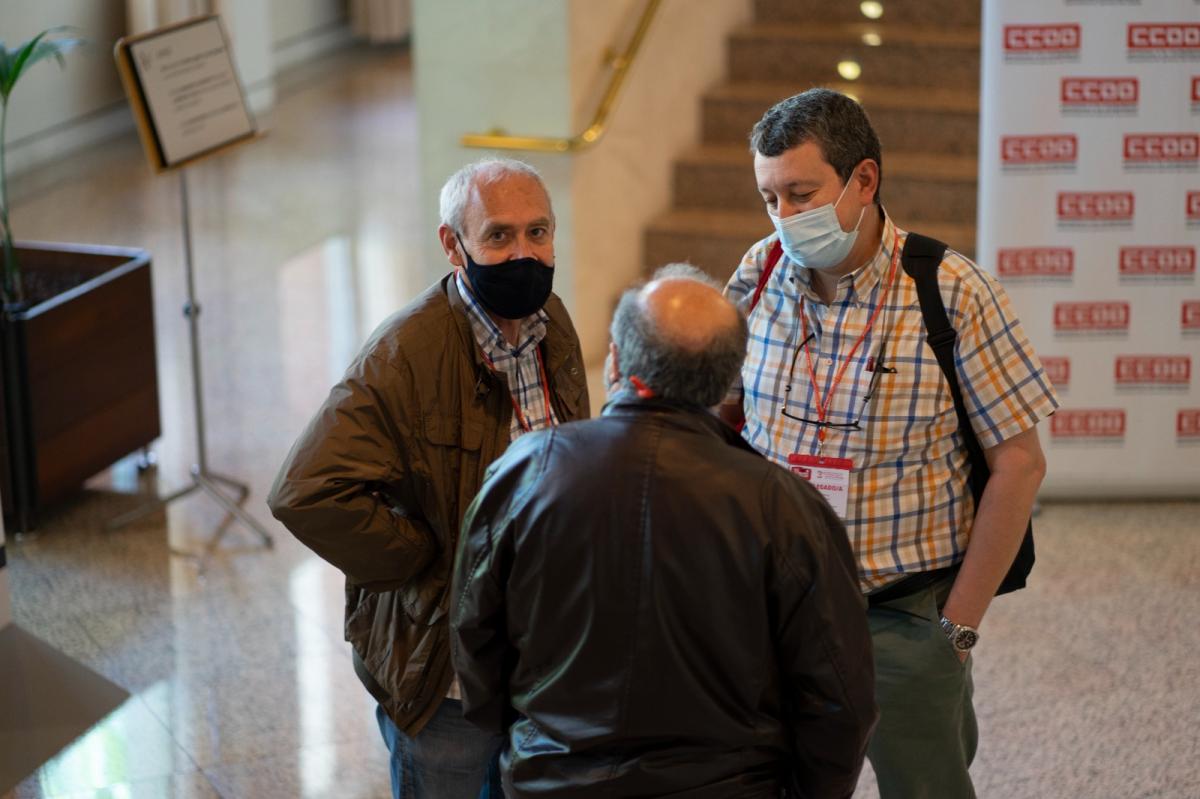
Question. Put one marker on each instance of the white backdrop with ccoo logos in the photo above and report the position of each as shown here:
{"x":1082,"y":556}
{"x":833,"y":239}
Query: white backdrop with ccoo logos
{"x":1089,"y":213}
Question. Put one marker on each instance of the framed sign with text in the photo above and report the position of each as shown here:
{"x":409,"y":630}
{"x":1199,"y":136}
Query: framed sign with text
{"x":185,"y":92}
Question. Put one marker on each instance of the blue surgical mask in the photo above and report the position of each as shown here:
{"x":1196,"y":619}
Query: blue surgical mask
{"x":814,"y":239}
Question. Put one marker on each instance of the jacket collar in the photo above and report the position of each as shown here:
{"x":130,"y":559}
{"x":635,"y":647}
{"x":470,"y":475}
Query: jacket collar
{"x":692,"y":417}
{"x":462,"y":322}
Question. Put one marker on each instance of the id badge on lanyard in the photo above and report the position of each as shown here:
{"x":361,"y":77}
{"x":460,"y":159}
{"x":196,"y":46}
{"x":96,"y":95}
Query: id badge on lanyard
{"x":830,"y":476}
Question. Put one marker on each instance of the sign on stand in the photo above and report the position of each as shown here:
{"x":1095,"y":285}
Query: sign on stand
{"x":185,"y":92}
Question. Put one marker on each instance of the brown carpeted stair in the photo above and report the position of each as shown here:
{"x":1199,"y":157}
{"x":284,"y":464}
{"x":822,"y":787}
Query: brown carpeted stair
{"x":919,"y":84}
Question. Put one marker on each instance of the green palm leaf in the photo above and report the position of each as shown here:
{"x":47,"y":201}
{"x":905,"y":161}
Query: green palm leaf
{"x":46,"y":44}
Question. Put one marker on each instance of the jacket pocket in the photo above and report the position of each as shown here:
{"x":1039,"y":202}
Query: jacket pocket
{"x":452,"y":431}
{"x":422,"y":599}
{"x":360,"y":615}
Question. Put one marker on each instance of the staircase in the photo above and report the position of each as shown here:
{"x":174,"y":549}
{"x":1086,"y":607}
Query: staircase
{"x":919,"y":84}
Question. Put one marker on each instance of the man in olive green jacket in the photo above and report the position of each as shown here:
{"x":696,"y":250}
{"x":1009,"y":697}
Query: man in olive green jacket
{"x":378,"y":482}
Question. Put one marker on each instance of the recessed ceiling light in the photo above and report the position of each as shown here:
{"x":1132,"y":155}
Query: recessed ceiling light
{"x":872,"y":39}
{"x":871,"y":9}
{"x":849,"y":70}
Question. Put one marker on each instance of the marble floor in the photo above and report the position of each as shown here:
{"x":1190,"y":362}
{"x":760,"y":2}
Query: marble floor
{"x":1088,"y":684}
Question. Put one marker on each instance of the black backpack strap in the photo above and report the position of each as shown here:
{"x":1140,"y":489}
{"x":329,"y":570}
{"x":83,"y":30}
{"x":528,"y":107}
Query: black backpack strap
{"x":921,"y":258}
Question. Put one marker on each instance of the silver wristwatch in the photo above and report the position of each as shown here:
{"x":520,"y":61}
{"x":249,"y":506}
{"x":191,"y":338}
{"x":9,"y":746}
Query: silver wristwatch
{"x":962,"y":637}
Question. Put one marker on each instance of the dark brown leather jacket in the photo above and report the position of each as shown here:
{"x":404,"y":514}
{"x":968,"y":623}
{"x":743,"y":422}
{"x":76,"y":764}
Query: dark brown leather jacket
{"x":378,"y":482}
{"x":650,"y":608}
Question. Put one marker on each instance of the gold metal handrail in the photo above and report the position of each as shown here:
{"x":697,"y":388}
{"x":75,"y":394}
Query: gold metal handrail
{"x":498,"y":139}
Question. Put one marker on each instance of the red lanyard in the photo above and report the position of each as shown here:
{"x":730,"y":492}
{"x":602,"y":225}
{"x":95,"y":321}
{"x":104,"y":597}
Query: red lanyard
{"x":521,"y":420}
{"x":823,"y":404}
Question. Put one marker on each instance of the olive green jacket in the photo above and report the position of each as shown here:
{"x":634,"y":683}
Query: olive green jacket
{"x":378,"y":483}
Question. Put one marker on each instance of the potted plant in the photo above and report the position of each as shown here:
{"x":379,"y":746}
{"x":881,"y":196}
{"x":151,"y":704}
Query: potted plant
{"x":77,"y":357}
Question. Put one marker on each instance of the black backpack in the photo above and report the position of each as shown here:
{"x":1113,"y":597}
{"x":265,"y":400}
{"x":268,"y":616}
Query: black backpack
{"x":921,"y":258}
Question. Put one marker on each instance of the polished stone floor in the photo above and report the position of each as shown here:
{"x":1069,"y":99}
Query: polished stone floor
{"x":1088,"y":683}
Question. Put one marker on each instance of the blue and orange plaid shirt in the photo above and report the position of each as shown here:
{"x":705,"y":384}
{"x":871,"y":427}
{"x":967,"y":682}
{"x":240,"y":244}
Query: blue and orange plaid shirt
{"x":910,"y":508}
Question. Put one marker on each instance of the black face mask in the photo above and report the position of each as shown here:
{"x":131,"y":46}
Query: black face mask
{"x":510,"y":289}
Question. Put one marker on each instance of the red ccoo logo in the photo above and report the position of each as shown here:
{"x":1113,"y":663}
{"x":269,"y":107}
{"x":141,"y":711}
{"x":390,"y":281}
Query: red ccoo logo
{"x":1036,"y":262}
{"x":1058,"y":371}
{"x":1099,"y":91}
{"x":1041,"y":38}
{"x":1187,"y":423}
{"x":1196,"y":88}
{"x":1091,"y":316}
{"x":1169,"y":261}
{"x":1157,"y":370}
{"x":1106,"y":423}
{"x":1140,"y":147}
{"x":1163,"y":35}
{"x":1049,"y":149}
{"x":1193,"y":206}
{"x":1190,"y":318}
{"x":1089,"y":206}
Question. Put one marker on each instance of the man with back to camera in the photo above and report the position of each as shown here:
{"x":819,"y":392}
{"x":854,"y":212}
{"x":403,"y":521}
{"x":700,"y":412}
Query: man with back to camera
{"x":647,"y":607}
{"x":839,"y":381}
{"x":378,"y":482}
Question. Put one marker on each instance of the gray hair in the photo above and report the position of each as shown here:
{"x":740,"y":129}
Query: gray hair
{"x":696,"y":377}
{"x":838,"y":125}
{"x":457,"y":189}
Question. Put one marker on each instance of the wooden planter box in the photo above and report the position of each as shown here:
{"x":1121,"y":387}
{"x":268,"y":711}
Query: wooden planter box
{"x":80,"y":380}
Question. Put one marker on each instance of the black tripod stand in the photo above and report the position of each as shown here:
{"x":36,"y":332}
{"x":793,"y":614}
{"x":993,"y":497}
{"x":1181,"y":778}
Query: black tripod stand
{"x":204,"y":479}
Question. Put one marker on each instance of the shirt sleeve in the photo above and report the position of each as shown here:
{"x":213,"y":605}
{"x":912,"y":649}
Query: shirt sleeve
{"x":1004,"y":386}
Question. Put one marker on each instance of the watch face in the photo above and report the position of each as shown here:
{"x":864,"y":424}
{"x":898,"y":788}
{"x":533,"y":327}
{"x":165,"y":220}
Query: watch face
{"x":965,"y":640}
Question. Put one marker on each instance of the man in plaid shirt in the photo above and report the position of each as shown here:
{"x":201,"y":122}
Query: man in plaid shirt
{"x":840,"y":385}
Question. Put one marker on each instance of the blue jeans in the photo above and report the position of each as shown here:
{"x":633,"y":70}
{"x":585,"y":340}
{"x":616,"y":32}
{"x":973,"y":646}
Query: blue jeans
{"x":450,"y":758}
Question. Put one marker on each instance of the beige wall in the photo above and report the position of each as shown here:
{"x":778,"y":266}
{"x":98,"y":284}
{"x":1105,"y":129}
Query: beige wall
{"x":297,"y":19}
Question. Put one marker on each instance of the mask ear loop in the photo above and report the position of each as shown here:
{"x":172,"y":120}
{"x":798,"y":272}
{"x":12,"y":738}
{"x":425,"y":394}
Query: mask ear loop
{"x":466,"y":255}
{"x":838,"y":201}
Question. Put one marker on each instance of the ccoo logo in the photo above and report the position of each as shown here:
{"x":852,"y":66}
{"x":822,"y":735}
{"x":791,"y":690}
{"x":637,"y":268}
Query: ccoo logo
{"x":1187,"y":423}
{"x":1080,"y":91}
{"x":1099,"y":423}
{"x":1163,"y":35}
{"x":1058,"y":370}
{"x":1087,"y":206}
{"x":1041,"y":38}
{"x":1166,"y":261}
{"x":1091,"y":316}
{"x":1193,"y":206}
{"x":1056,"y":148}
{"x":1190,"y":317}
{"x":1058,"y":262}
{"x":1153,"y":370}
{"x":1171,"y":147}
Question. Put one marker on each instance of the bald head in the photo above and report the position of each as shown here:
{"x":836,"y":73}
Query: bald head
{"x":679,"y":337}
{"x":686,"y":312}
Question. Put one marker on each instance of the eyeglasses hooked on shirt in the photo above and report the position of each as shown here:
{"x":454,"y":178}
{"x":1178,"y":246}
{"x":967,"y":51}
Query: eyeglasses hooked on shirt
{"x":875,"y":365}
